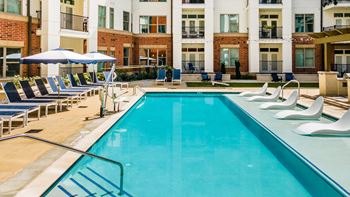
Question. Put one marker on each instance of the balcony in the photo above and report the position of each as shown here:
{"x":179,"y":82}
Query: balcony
{"x":69,"y":21}
{"x":193,"y":1}
{"x":340,"y":4}
{"x":271,"y":33}
{"x":334,"y":27}
{"x":341,"y":69}
{"x":193,"y":32}
{"x":271,"y":67}
{"x":270,"y":1}
{"x":189,"y":66}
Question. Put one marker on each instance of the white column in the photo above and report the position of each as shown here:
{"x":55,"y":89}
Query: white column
{"x":92,"y":41}
{"x":209,"y":36}
{"x":177,"y":34}
{"x":254,"y":48}
{"x":287,"y":36}
{"x":50,"y":32}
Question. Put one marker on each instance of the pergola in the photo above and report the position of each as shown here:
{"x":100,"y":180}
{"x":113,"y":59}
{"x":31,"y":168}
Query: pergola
{"x":331,"y":35}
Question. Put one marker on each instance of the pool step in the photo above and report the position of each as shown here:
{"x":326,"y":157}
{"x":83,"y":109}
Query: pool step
{"x":86,"y":182}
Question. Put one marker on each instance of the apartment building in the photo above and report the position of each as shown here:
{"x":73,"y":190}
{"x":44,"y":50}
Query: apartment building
{"x":263,"y":36}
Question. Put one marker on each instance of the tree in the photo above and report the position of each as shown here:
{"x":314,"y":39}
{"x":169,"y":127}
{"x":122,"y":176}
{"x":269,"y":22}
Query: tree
{"x":329,"y":2}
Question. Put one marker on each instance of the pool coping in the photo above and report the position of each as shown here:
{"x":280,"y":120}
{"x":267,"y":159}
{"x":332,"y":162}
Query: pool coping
{"x":51,"y":174}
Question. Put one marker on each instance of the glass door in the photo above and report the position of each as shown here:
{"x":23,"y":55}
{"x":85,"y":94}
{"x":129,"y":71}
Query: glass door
{"x":264,"y":62}
{"x":274,"y":63}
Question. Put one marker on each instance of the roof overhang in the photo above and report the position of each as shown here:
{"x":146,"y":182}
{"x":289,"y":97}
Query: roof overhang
{"x":331,"y":35}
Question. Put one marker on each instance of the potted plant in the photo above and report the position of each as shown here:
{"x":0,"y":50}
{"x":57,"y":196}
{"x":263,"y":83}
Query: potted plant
{"x":238,"y":71}
{"x":169,"y":72}
{"x":223,"y":68}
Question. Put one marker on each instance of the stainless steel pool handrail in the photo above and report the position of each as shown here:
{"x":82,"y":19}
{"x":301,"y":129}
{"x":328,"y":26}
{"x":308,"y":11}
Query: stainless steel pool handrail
{"x":73,"y":150}
{"x":139,"y":88}
{"x":292,"y":81}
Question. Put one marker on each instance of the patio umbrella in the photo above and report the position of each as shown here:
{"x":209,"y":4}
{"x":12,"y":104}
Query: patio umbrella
{"x":99,"y":58}
{"x":57,"y":56}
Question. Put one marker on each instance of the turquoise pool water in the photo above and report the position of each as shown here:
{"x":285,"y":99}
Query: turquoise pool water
{"x":182,"y":145}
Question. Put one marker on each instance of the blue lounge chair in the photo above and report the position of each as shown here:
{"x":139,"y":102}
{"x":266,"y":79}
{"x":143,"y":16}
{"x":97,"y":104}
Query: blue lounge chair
{"x":176,"y":76}
{"x":289,"y":76}
{"x":29,"y":108}
{"x":84,"y":82}
{"x":13,"y":115}
{"x":218,"y":76}
{"x":94,"y":78}
{"x":74,"y":84}
{"x":54,"y":88}
{"x":28,"y":91}
{"x":161,"y":76}
{"x":275,"y":77}
{"x":73,"y":89}
{"x":44,"y":92}
{"x":15,"y":99}
{"x":205,"y":77}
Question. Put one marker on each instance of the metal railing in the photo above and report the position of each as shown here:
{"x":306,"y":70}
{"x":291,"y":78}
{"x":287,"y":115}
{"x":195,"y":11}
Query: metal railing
{"x":270,"y":1}
{"x":193,"y":1}
{"x":193,"y":66}
{"x":271,"y":66}
{"x":74,"y":22}
{"x":271,"y":33}
{"x":139,"y":88}
{"x":290,"y":82}
{"x":73,"y":150}
{"x":193,"y":32}
{"x":334,"y":27}
{"x":341,"y":69}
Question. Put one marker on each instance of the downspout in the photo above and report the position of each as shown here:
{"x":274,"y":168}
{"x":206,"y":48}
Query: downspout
{"x":29,"y":36}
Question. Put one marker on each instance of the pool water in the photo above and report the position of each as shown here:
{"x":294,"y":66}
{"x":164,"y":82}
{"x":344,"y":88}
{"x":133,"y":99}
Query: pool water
{"x":181,"y":145}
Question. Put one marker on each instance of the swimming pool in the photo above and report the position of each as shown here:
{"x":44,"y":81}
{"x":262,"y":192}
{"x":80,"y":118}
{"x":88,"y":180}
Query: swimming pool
{"x":191,"y":145}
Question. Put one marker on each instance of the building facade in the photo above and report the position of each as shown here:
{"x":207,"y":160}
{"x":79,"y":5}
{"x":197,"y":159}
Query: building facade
{"x":261,"y":36}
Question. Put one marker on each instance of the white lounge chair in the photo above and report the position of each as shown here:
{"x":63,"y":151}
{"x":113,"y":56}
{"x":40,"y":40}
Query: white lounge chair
{"x":290,"y":103}
{"x":260,"y":92}
{"x":313,"y":112}
{"x":340,"y":127}
{"x":271,"y":98}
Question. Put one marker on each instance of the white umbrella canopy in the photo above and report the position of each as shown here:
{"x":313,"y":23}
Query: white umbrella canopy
{"x":99,"y":57}
{"x":57,"y":56}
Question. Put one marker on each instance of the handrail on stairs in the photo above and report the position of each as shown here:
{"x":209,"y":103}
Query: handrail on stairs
{"x":290,"y":82}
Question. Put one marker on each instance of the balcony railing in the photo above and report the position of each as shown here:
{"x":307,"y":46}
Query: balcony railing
{"x":341,"y":69}
{"x":271,"y":33}
{"x":193,"y":32}
{"x":69,"y":21}
{"x":271,"y":66}
{"x":193,"y":1}
{"x":74,"y":22}
{"x":270,"y":1}
{"x":331,"y":28}
{"x":193,"y":66}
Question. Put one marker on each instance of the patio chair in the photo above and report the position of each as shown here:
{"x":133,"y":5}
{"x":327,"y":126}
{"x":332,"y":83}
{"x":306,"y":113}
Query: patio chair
{"x":260,"y":92}
{"x":191,"y":67}
{"x":74,"y":84}
{"x":54,"y":88}
{"x":94,"y":78}
{"x":218,"y":76}
{"x":289,"y":76}
{"x":84,"y":82}
{"x":15,"y":99}
{"x":312,"y":113}
{"x":176,"y":76}
{"x":271,"y":98}
{"x":12,"y":115}
{"x":161,"y":76}
{"x":44,"y":92}
{"x":275,"y":77}
{"x":28,"y":91}
{"x":338,"y":128}
{"x":115,"y":83}
{"x":74,"y":89}
{"x":29,"y":108}
{"x":205,"y":77}
{"x":290,"y":103}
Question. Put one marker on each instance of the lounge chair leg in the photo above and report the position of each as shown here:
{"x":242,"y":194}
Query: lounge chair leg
{"x":39,"y":114}
{"x":46,"y":110}
{"x":10,"y":125}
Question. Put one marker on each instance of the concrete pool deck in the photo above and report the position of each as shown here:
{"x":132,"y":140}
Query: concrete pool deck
{"x":24,"y":160}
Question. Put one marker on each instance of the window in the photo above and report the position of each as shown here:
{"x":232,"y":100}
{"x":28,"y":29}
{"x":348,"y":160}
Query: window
{"x":10,"y":62}
{"x":126,"y":56}
{"x":229,"y":23}
{"x":126,"y":21}
{"x":304,"y":58}
{"x":100,"y":66}
{"x":11,"y":6}
{"x":102,"y":16}
{"x":304,"y":23}
{"x":229,"y":56}
{"x":153,"y":57}
{"x":152,"y":24}
{"x":111,"y":18}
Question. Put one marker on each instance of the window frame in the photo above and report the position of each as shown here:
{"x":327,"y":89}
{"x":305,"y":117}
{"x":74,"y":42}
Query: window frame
{"x":5,"y":62}
{"x":222,"y":29}
{"x":5,"y":9}
{"x":231,"y":64}
{"x":149,"y":26}
{"x":100,"y":7}
{"x":304,"y":58}
{"x":304,"y":23}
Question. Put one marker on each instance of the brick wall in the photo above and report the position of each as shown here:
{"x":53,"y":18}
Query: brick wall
{"x":241,"y":41}
{"x":305,"y":40}
{"x":16,"y":30}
